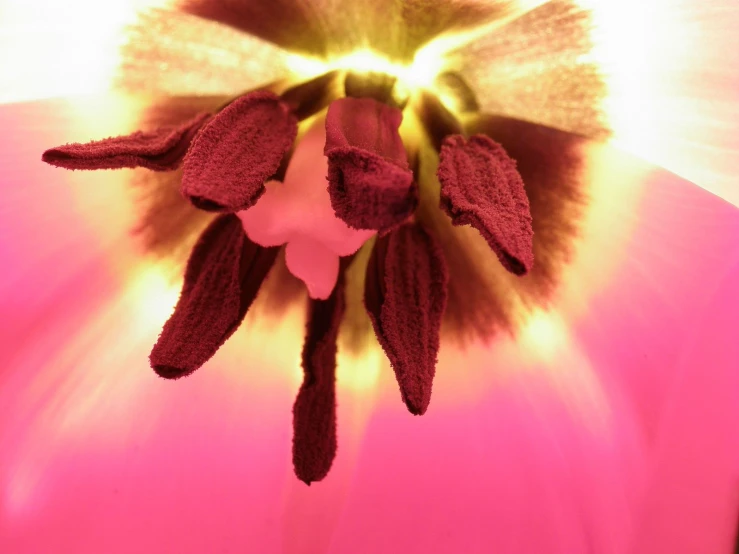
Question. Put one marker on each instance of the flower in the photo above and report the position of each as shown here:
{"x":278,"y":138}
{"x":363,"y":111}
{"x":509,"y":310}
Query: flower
{"x":234,"y":161}
{"x":605,"y":407}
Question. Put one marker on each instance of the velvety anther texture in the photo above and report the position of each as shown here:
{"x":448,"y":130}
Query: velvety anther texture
{"x":237,"y":151}
{"x":370,"y":184}
{"x":161,"y":149}
{"x":314,"y":412}
{"x":405,"y":296}
{"x":480,"y":186}
{"x":297,"y":212}
{"x":223,"y":276}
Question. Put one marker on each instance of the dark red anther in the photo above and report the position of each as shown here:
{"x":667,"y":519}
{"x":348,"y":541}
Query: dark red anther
{"x":223,"y":275}
{"x":480,"y":186}
{"x":161,"y":149}
{"x":405,"y":295}
{"x":237,"y":151}
{"x":314,"y":412}
{"x":370,"y":184}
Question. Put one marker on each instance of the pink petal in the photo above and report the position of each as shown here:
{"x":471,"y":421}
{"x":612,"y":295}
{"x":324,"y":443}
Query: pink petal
{"x":617,"y":436}
{"x":691,"y":502}
{"x":98,"y":455}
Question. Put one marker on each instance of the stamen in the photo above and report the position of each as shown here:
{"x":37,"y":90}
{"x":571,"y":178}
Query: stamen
{"x":370,"y":184}
{"x":405,"y":295}
{"x":223,"y":275}
{"x":237,"y":151}
{"x":314,"y":412}
{"x":480,"y":186}
{"x":160,"y":150}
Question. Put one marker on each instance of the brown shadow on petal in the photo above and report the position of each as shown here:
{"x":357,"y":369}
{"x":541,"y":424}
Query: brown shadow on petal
{"x":291,"y":24}
{"x":168,"y":224}
{"x":484,"y":299}
{"x":280,"y":292}
{"x":425,"y":19}
{"x":552,"y":166}
{"x":396,"y":28}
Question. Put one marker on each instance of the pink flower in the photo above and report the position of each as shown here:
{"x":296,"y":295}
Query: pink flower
{"x":450,"y":209}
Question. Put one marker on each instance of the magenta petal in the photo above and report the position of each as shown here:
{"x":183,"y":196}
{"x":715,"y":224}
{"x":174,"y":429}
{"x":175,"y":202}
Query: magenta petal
{"x":370,"y":184}
{"x":161,"y":149}
{"x":237,"y":151}
{"x":97,"y":455}
{"x":480,"y":186}
{"x":694,"y":480}
{"x":223,"y":276}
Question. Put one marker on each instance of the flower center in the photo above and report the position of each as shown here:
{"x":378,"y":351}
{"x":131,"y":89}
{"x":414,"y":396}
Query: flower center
{"x":321,"y":168}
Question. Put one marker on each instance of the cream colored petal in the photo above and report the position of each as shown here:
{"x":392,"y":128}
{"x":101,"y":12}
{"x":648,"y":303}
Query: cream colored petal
{"x":170,"y":52}
{"x":50,"y":48}
{"x":673,"y":75}
{"x":535,"y":68}
{"x":660,"y":76}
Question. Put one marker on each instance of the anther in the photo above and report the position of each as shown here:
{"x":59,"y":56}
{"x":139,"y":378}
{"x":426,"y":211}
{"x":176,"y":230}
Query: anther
{"x":481,"y":187}
{"x":237,"y":151}
{"x":314,"y":412}
{"x":370,"y":183}
{"x":223,"y":275}
{"x":405,"y":295}
{"x":161,"y":149}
